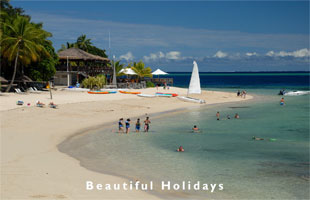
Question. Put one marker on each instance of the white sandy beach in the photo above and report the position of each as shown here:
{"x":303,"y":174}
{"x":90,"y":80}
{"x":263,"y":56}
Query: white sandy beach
{"x":31,"y":165}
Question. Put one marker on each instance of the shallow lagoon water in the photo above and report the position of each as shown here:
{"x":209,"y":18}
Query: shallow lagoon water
{"x":222,"y":153}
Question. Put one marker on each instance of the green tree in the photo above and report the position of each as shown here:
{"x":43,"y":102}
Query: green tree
{"x":22,"y":41}
{"x":83,"y":43}
{"x":141,"y":70}
{"x":118,"y":67}
{"x":45,"y":69}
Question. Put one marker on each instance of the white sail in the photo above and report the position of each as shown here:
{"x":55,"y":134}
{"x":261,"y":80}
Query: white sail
{"x":194,"y":85}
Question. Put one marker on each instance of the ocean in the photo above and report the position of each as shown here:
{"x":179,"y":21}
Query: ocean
{"x":223,"y":152}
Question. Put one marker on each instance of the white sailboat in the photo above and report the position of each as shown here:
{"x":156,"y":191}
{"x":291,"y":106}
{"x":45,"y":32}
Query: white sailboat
{"x":194,"y":86}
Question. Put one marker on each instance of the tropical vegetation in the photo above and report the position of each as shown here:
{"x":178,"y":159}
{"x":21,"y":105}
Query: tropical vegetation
{"x":24,"y":44}
{"x":94,"y":82}
{"x":140,"y":69}
{"x":84,"y":43}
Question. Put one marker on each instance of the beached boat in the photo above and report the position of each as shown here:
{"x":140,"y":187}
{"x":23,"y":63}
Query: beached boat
{"x":163,"y":95}
{"x":74,"y":89}
{"x":126,"y":92}
{"x":193,"y":100}
{"x":146,"y":95}
{"x":109,"y":91}
{"x":296,"y":93}
{"x":101,"y":92}
{"x":167,"y":94}
{"x":194,"y":87}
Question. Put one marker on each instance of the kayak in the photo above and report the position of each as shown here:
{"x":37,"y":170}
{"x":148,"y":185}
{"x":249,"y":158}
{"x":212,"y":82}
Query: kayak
{"x":190,"y":99}
{"x":163,"y":95}
{"x":100,"y":92}
{"x":171,"y":94}
{"x":125,"y":92}
{"x":110,"y":92}
{"x":146,"y":95}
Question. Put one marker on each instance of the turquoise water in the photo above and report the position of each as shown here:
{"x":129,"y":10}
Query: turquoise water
{"x":222,"y":153}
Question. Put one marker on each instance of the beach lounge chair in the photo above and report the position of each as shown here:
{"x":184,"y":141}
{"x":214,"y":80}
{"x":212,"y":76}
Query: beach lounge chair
{"x":18,"y":91}
{"x":32,"y":90}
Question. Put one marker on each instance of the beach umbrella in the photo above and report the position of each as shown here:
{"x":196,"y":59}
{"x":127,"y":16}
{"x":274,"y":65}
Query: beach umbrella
{"x":128,"y":71}
{"x":159,"y":72}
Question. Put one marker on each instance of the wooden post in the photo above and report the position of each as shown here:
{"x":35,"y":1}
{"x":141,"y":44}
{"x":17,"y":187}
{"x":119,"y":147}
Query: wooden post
{"x":50,"y":84}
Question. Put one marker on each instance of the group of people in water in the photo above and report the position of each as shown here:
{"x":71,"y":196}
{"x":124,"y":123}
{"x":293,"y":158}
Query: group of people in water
{"x":227,"y":117}
{"x":147,"y":123}
{"x":241,"y":94}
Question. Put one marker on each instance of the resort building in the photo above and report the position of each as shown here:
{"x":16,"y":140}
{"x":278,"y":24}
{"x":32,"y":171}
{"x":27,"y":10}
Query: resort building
{"x":76,"y":64}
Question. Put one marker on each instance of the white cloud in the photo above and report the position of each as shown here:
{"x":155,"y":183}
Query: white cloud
{"x":220,"y":54}
{"x":302,"y":53}
{"x":128,"y":56}
{"x":251,"y":54}
{"x":172,"y":55}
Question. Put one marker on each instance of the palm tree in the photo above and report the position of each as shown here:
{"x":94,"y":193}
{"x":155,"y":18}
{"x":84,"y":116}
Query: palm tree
{"x":22,"y":41}
{"x":83,"y":43}
{"x":118,"y":67}
{"x":141,"y":70}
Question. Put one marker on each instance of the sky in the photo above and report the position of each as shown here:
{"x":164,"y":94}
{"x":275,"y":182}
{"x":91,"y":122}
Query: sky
{"x":219,"y":35}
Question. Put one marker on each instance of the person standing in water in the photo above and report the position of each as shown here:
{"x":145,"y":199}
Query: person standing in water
{"x":138,"y":124}
{"x":147,"y":124}
{"x":237,"y":116}
{"x":127,"y":126}
{"x":120,"y":125}
{"x":238,"y":93}
{"x":244,"y":93}
{"x":282,"y":101}
{"x":218,"y":115}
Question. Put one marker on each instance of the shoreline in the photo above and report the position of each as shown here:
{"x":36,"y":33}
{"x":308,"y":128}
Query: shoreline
{"x":155,"y":192}
{"x":34,"y":157}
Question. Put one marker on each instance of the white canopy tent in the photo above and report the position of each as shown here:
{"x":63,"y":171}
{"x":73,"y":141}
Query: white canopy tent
{"x":128,"y":71}
{"x":159,"y":72}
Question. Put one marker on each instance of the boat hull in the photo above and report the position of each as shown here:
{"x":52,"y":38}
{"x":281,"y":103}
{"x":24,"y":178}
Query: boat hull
{"x":100,"y":92}
{"x":193,"y":100}
{"x":296,"y":93}
{"x":167,"y":94}
{"x":146,"y":95}
{"x":125,"y":92}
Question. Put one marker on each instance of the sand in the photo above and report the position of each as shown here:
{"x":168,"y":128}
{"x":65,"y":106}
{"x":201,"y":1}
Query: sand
{"x":31,"y":165}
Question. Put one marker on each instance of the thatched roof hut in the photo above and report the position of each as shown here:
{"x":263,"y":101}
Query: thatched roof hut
{"x":3,"y":80}
{"x":75,"y":54}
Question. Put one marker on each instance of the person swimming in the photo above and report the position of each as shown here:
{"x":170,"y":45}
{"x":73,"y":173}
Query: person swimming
{"x":195,"y":129}
{"x":257,"y":138}
{"x":237,"y":116}
{"x":180,"y":149}
{"x":228,"y":116}
{"x":138,"y":124}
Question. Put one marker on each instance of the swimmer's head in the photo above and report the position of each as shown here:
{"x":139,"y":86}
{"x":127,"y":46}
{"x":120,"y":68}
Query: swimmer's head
{"x":121,"y":119}
{"x":195,"y":126}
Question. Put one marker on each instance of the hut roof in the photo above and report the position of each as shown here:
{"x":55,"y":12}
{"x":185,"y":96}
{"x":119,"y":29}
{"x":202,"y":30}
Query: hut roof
{"x":3,"y":79}
{"x":78,"y":54}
